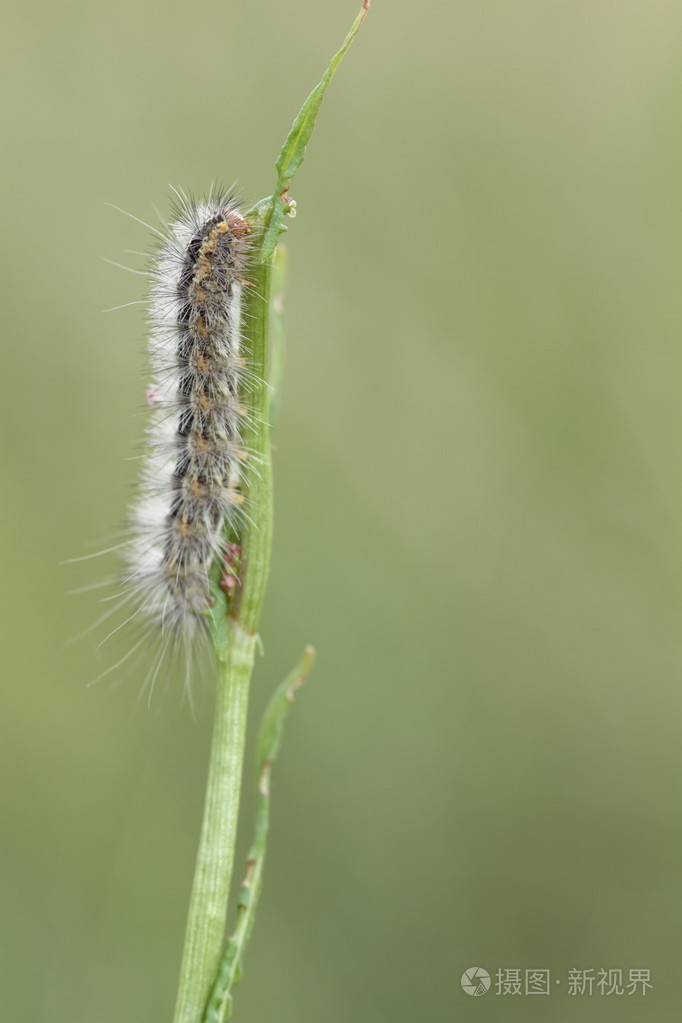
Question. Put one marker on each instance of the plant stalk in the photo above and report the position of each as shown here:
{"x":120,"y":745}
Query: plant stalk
{"x":235,"y":635}
{"x":208,"y":903}
{"x":234,"y":619}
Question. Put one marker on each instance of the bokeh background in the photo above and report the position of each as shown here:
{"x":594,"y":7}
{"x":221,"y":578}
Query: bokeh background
{"x":478,"y":508}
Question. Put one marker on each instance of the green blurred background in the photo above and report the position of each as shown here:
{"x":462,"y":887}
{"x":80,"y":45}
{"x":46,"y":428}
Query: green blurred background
{"x":477,"y":512}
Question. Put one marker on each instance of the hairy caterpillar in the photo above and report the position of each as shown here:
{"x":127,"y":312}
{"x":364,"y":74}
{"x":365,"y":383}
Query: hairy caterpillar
{"x":189,"y":485}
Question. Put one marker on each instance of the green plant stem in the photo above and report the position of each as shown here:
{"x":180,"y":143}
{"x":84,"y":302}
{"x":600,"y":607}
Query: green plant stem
{"x":234,"y":630}
{"x":234,"y":620}
{"x":277,"y":332}
{"x":206,"y":921}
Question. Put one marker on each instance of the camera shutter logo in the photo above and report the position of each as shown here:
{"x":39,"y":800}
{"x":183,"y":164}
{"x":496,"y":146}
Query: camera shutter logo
{"x":475,"y":981}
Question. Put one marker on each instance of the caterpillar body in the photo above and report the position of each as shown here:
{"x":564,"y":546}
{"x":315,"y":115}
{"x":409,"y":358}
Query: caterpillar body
{"x":194,"y":462}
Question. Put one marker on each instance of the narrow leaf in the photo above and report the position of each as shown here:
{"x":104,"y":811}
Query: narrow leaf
{"x":219,"y":1008}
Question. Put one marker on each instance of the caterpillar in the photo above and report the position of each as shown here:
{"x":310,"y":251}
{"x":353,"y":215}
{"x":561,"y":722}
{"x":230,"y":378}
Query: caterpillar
{"x":192,"y":471}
